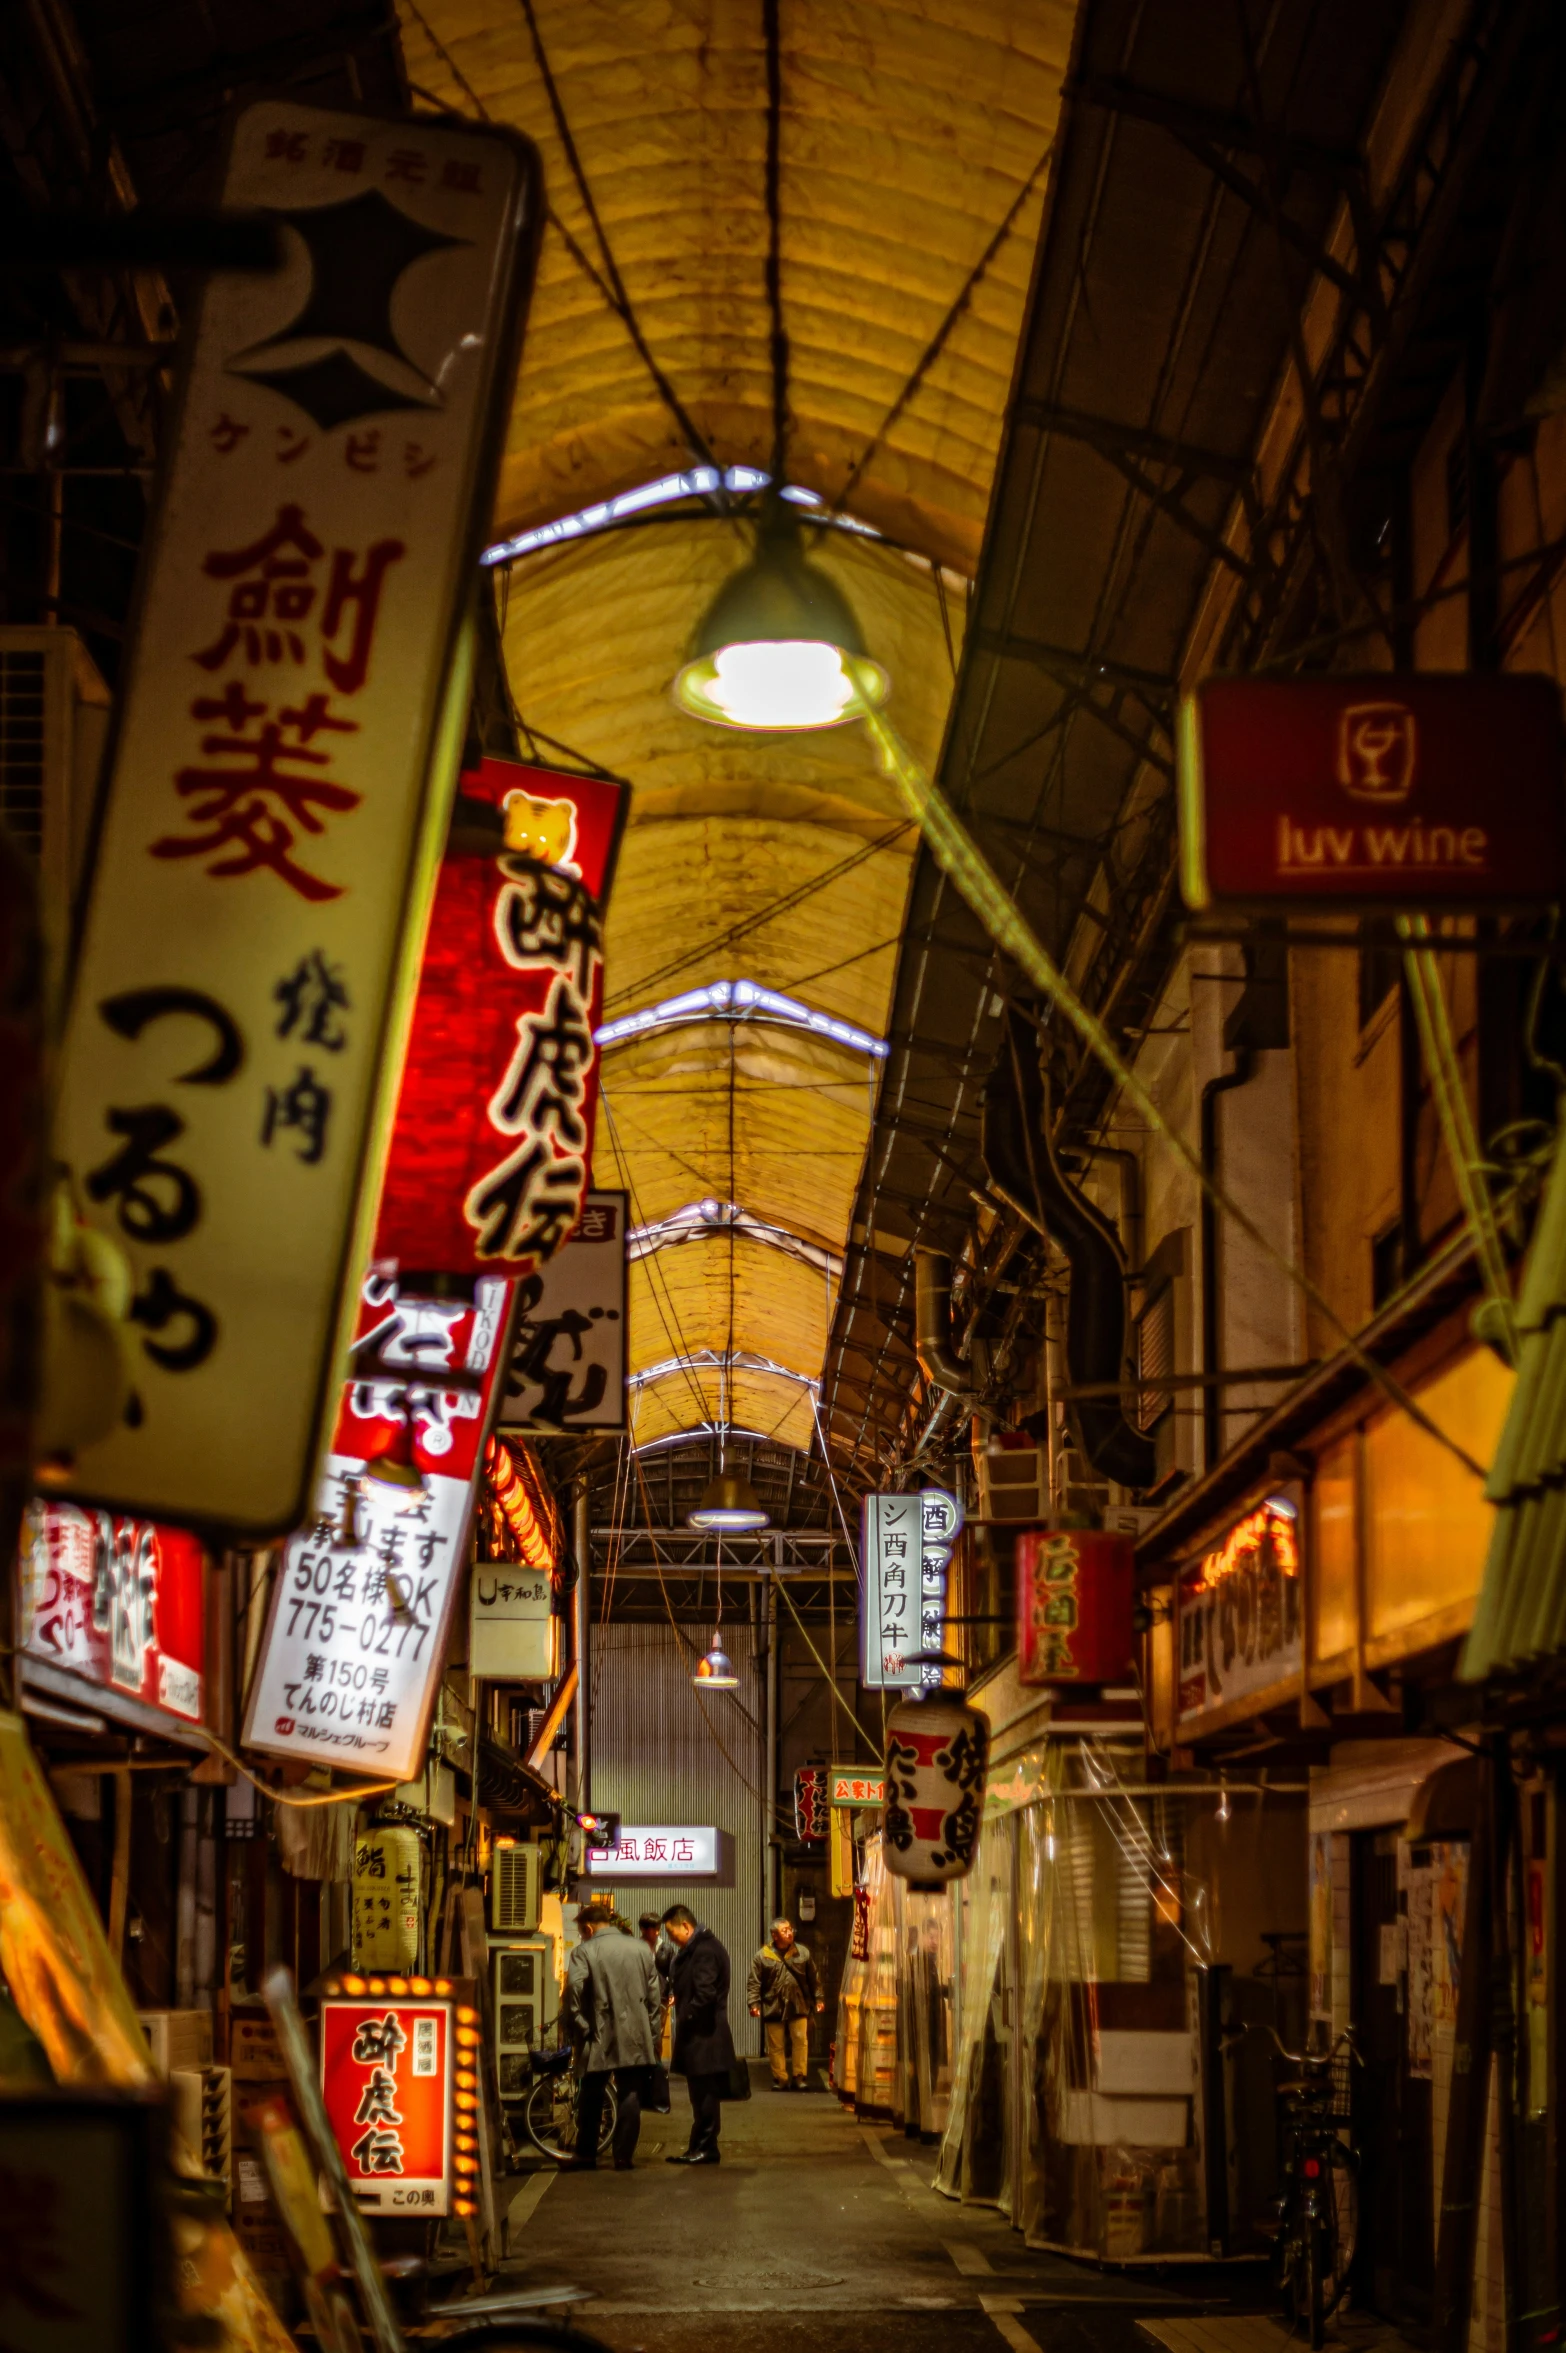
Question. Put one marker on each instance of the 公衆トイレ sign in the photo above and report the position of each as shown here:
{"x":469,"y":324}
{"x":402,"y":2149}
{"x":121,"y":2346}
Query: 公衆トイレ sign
{"x":279,"y":787}
{"x":1381,"y":790}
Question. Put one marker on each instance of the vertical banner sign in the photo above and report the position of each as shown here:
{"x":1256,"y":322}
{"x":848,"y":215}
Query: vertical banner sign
{"x":356,"y":1632}
{"x":811,"y":1812}
{"x":906,"y":1548}
{"x":493,"y":1138}
{"x":280,"y":783}
{"x":568,"y":1356}
{"x":1075,"y":1597}
{"x":120,"y":1603}
{"x":386,"y":2080}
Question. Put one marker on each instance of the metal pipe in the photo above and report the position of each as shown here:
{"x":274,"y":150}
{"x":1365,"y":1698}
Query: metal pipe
{"x":583,"y":1619}
{"x":1130,"y":1168}
{"x":938,"y":1361}
{"x":769,"y":1787}
{"x":1212,"y":1335}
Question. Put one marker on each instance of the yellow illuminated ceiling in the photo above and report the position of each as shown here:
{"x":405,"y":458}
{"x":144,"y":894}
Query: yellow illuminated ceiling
{"x":914,"y":144}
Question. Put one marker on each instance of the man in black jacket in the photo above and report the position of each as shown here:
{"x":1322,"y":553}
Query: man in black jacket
{"x":703,"y":2045}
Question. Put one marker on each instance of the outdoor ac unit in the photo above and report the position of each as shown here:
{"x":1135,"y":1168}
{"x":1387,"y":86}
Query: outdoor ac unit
{"x":202,"y":2099}
{"x":526,"y":2005}
{"x":54,"y":719}
{"x":514,"y":1890}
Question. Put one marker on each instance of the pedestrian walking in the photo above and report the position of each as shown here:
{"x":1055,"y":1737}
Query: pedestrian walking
{"x":650,"y":1929}
{"x":703,"y":2045}
{"x":782,"y":1992}
{"x":612,"y":2006}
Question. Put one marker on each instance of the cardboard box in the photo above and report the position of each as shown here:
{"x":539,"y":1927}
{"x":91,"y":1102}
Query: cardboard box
{"x":253,"y":2055}
{"x":178,"y":2038}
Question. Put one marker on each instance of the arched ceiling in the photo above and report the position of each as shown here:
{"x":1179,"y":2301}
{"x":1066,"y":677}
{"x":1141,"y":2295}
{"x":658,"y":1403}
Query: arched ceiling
{"x":914,"y":145}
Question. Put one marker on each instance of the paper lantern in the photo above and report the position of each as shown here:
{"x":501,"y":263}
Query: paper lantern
{"x":1076,"y":1588}
{"x":937,"y":1751}
{"x":491,"y":1147}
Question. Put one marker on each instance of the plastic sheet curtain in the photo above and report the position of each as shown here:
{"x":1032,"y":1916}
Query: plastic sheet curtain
{"x":875,"y":2081}
{"x":1082,"y":2118}
{"x":925,"y":1958}
{"x":972,"y":2154}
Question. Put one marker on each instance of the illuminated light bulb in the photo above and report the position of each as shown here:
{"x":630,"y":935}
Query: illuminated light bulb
{"x":468,"y":2039}
{"x":443,"y":1985}
{"x":397,"y":1985}
{"x":465,"y":2015}
{"x":377,"y":1985}
{"x":466,"y":2164}
{"x":792,"y":683}
{"x":466,"y":2100}
{"x":730,"y":1505}
{"x":355,"y":1985}
{"x":770,"y":653}
{"x":420,"y":1985}
{"x":1224,"y":1807}
{"x":463,"y":2207}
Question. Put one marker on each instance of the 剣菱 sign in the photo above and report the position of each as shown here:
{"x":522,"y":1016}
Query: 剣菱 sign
{"x":907,"y":1544}
{"x":287,"y":745}
{"x":1379,"y":790}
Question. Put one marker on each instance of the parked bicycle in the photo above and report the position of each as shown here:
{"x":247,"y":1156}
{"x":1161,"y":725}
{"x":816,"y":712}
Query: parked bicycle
{"x":550,"y":2109}
{"x":1319,"y":2210}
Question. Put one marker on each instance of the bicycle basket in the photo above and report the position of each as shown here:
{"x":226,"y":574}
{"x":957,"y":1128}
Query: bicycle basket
{"x":552,"y":2062}
{"x":1338,"y":2090}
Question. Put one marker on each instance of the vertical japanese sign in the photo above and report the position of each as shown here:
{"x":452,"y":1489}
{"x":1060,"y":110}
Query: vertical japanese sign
{"x":568,"y":1358}
{"x":492,"y":1144}
{"x":386,"y":2079}
{"x":120,"y":1603}
{"x":906,"y":1549}
{"x":1076,"y":1592}
{"x":356,"y":1633}
{"x":280,"y":785}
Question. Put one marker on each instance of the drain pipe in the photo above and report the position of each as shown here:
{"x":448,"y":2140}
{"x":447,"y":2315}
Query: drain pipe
{"x":1212,"y":1338}
{"x":584,"y":1682}
{"x":1130,"y":1199}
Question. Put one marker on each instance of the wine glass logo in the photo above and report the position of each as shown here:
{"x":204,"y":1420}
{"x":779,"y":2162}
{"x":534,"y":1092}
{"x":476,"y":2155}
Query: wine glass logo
{"x":1376,"y":746}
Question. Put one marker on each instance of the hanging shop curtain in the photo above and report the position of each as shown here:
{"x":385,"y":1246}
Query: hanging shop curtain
{"x":970,"y":2163}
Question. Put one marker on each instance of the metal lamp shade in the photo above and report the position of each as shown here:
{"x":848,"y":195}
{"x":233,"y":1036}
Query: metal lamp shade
{"x":715,"y":1671}
{"x":729,"y":1506}
{"x":768,"y":656}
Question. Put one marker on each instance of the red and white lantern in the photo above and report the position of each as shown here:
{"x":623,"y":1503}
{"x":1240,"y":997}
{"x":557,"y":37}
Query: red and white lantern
{"x":937,"y":1752}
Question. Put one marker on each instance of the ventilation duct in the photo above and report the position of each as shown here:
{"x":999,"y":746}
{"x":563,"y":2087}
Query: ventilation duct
{"x":941,"y":1366}
{"x":1020,"y":1157}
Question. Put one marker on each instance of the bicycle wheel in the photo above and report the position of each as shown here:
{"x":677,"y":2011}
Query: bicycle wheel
{"x":1340,"y":2223}
{"x":1313,"y":2315}
{"x":549,"y":2113}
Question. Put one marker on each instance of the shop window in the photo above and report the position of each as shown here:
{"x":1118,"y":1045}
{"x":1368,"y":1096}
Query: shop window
{"x":1427,"y":1520}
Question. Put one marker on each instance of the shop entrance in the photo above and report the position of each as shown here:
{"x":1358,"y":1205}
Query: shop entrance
{"x":1395,"y":2261}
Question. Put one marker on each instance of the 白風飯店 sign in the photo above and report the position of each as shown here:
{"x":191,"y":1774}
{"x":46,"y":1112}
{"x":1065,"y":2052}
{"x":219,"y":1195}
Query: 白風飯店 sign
{"x":493,"y":1140}
{"x":392,"y":2098}
{"x":1399,"y":792}
{"x":119,"y":1603}
{"x":907,"y":1545}
{"x":1240,"y":1611}
{"x":286,"y":750}
{"x":355,"y":1637}
{"x":657,"y":1853}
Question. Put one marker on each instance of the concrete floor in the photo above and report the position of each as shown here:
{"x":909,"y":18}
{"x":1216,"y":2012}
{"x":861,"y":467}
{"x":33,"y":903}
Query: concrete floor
{"x":821,"y":2235}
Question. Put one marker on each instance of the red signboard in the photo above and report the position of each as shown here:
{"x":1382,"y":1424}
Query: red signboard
{"x":1382,"y":790}
{"x":388,"y":2080}
{"x":1075,"y":1591}
{"x":119,"y":1602}
{"x":493,"y":1138}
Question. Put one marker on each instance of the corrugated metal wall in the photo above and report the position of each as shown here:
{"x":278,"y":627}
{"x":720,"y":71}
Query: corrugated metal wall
{"x":655,"y":1759}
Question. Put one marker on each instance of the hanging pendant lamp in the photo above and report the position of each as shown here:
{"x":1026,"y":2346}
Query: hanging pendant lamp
{"x":730,"y":1506}
{"x":714,"y":1671}
{"x":769,"y":654}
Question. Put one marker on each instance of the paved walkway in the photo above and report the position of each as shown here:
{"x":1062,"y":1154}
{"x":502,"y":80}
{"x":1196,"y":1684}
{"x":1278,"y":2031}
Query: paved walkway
{"x":820,"y":2235}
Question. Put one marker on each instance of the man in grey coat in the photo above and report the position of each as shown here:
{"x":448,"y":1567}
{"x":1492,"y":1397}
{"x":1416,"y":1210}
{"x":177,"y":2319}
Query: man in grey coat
{"x":612,"y":2005}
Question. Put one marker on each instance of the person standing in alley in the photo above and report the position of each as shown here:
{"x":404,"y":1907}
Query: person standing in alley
{"x":782,"y":1992}
{"x":703,"y":2045}
{"x":612,"y":2002}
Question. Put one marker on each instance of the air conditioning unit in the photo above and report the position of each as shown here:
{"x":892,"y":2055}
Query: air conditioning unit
{"x":526,"y":2007}
{"x":514,"y":1890}
{"x":54,"y":721}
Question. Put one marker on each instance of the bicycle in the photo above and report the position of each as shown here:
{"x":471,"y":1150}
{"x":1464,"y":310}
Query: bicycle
{"x":549,"y":2112}
{"x":1319,"y":2210}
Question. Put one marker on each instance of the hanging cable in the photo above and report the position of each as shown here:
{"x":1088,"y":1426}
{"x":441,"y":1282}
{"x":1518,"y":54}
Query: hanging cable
{"x":772,"y":36}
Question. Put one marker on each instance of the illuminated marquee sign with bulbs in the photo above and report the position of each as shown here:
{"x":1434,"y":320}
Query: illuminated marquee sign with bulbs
{"x":400,"y":2080}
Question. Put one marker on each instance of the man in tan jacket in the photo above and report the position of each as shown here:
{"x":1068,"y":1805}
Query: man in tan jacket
{"x":782,"y":1992}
